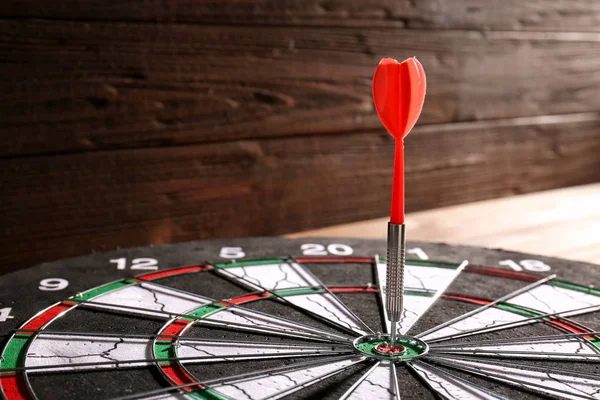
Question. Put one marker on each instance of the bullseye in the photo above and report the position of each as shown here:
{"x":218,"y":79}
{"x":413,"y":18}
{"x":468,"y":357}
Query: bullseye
{"x":380,"y":346}
{"x":389,"y":349}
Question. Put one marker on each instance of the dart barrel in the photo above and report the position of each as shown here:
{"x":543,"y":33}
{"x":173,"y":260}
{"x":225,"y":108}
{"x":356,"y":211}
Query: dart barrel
{"x":396,"y":254}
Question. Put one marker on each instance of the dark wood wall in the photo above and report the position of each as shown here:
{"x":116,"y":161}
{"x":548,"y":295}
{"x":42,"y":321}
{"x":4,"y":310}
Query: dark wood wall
{"x":129,"y":122}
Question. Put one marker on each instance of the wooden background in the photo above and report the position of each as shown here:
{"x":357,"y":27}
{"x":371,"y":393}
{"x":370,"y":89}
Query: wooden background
{"x":129,"y":122}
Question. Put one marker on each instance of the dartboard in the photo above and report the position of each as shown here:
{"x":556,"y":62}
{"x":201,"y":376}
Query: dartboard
{"x":270,"y":318}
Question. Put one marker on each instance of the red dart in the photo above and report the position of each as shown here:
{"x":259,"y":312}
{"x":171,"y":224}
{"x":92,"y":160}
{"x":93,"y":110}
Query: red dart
{"x":398,"y":94}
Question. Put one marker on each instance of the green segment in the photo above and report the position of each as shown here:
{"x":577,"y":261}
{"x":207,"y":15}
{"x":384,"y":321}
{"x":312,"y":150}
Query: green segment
{"x":517,"y":310}
{"x":85,"y":296}
{"x":233,"y":264}
{"x":297,"y":291}
{"x":205,"y":311}
{"x":422,"y":293}
{"x":424,"y":263}
{"x":206,"y":394}
{"x":14,"y":352}
{"x":414,"y":348}
{"x":530,"y":314}
{"x":572,"y":286}
{"x":163,"y":349}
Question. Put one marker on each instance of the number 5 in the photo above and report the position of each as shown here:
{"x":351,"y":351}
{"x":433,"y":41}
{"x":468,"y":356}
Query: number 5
{"x":232,"y":252}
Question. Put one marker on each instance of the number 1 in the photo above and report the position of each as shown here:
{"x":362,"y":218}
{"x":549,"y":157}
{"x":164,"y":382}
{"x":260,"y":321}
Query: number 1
{"x":5,"y":314}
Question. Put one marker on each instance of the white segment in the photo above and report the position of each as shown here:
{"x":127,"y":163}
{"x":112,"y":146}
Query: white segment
{"x":545,"y":381}
{"x":551,"y":299}
{"x":577,"y":348}
{"x":544,"y":299}
{"x":329,"y":307}
{"x":379,"y":383}
{"x":48,"y":350}
{"x":451,"y":388}
{"x":274,"y":276}
{"x":257,"y":321}
{"x":275,"y":385}
{"x":231,"y":351}
{"x":292,"y":275}
{"x":151,"y":298}
{"x":75,"y":351}
{"x":489,"y":317}
{"x":426,"y":278}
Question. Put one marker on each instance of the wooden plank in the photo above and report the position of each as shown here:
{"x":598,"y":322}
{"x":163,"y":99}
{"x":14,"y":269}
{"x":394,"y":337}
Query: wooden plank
{"x":459,"y":14}
{"x":561,"y":223}
{"x":56,"y":206}
{"x":74,"y":86}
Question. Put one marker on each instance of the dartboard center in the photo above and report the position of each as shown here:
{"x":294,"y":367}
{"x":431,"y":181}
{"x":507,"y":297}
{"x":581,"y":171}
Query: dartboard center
{"x":380,"y":346}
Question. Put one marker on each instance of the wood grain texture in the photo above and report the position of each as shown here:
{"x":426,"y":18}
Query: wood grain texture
{"x":561,"y":223}
{"x":80,"y":86}
{"x":64,"y":205}
{"x":562,"y":15}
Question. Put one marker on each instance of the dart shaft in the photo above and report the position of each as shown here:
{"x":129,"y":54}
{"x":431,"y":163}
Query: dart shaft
{"x":395,"y":274}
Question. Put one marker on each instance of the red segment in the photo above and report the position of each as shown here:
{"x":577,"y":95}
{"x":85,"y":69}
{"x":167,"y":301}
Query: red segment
{"x":388,"y":349}
{"x":172,"y":272}
{"x":15,"y":387}
{"x":465,"y":298}
{"x":564,"y":325}
{"x":361,"y":260}
{"x":174,"y":329}
{"x":180,"y":377}
{"x":244,"y":299}
{"x":502,"y":273}
{"x":47,"y":316}
{"x":571,"y":326}
{"x":358,"y":289}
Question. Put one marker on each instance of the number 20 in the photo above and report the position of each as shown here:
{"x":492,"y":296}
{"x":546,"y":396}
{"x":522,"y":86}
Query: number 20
{"x":310,"y":249}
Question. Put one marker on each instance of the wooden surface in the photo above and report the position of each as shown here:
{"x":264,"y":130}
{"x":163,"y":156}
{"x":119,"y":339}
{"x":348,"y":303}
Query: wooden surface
{"x":71,"y":86}
{"x":126,"y":123}
{"x":561,"y":223}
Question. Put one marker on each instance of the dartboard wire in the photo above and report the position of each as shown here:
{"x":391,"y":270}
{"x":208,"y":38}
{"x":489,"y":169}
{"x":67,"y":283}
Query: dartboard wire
{"x":519,"y":354}
{"x":522,"y":383}
{"x":456,"y":380}
{"x":170,"y":314}
{"x":347,"y":309}
{"x":395,"y":386}
{"x":148,"y":286}
{"x":58,"y":368}
{"x":300,"y":271}
{"x":519,"y":339}
{"x":486,"y":306}
{"x":438,"y":294}
{"x":34,"y":317}
{"x":45,"y":332}
{"x":382,"y":309}
{"x":234,"y":279}
{"x":233,"y":307}
{"x":514,"y":324}
{"x":359,"y":381}
{"x":207,"y":383}
{"x":512,"y":364}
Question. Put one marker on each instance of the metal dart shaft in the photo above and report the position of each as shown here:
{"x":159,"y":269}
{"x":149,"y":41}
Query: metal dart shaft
{"x":396,"y":254}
